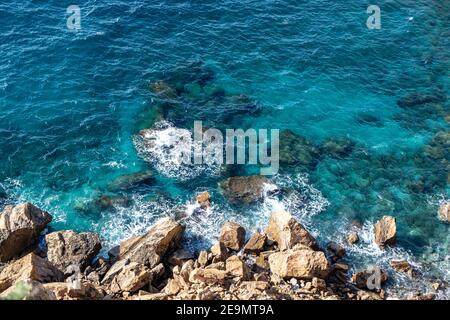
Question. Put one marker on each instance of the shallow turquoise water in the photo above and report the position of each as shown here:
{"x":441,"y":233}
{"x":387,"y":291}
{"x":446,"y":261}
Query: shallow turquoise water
{"x":71,"y":103}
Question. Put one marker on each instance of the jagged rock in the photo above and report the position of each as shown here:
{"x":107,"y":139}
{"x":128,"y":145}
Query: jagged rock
{"x":336,"y":250}
{"x":219,"y":252}
{"x":131,"y":278}
{"x":244,"y":189}
{"x":65,"y":248}
{"x":19,"y":227}
{"x":352,"y":238}
{"x":129,"y":181}
{"x":173,"y":287}
{"x":68,"y":291}
{"x":232,"y":235}
{"x":203,"y":200}
{"x":149,"y":248}
{"x":208,"y":276}
{"x":287,"y":231}
{"x":385,"y":231}
{"x":444,"y":212}
{"x":256,"y":243}
{"x":371,"y":279}
{"x":304,"y":264}
{"x":402,"y":266}
{"x":31,"y":267}
{"x":237,"y":268}
{"x":27,"y":290}
{"x":202,"y":258}
{"x":180,"y":256}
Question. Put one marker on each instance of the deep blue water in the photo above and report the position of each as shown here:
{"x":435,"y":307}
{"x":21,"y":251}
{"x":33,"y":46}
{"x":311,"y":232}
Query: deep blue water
{"x":71,"y":102}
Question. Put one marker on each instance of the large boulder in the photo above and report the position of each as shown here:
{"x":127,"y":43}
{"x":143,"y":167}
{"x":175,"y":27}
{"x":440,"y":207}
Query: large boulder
{"x":232,"y":235}
{"x":236,"y":267}
{"x":65,"y":248}
{"x":31,"y":267}
{"x":27,"y":290}
{"x":385,"y":231}
{"x":152,"y":246}
{"x":303,"y":264}
{"x":20,"y":226}
{"x":444,"y":212}
{"x":244,"y":189}
{"x":131,"y":278}
{"x":256,"y":243}
{"x":287,"y":231}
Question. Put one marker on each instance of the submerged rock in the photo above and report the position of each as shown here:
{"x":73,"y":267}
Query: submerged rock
{"x":244,"y":189}
{"x":232,"y":235}
{"x":163,"y":89}
{"x":20,"y":226}
{"x":415,"y":99}
{"x":303,"y":264}
{"x":296,"y":149}
{"x":444,"y":212}
{"x":65,"y":248}
{"x":287,"y":231}
{"x":133,"y":180}
{"x":385,"y":231}
{"x":337,"y":147}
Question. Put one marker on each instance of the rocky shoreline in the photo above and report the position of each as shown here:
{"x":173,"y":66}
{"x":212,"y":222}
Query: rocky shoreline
{"x":283,"y":262}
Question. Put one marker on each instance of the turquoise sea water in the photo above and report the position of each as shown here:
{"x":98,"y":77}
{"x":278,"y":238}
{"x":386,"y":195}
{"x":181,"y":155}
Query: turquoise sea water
{"x":71,"y":102}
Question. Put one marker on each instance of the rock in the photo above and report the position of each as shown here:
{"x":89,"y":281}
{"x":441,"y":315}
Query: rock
{"x":27,"y":290}
{"x":444,"y":212}
{"x":287,"y":231}
{"x":208,"y":276}
{"x":129,"y":181}
{"x":203,"y":200}
{"x":337,"y":147}
{"x":256,"y":244}
{"x":318,"y":283}
{"x":31,"y":267}
{"x":219,"y":251}
{"x":336,"y":250}
{"x":131,"y":278}
{"x":244,"y":189}
{"x":232,"y":235}
{"x":341,"y":267}
{"x":67,"y":291}
{"x":304,"y":264}
{"x":65,"y":248}
{"x":385,"y":231}
{"x":370,"y":279}
{"x":20,"y":226}
{"x":172,"y":287}
{"x":402,"y":266}
{"x":237,"y":268}
{"x":179,"y":257}
{"x":352,"y":238}
{"x":202,"y":258}
{"x":162,"y":89}
{"x":415,"y":99}
{"x":295,"y":149}
{"x":151,"y":247}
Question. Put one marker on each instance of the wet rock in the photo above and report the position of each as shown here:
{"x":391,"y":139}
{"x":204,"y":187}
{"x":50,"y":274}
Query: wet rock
{"x":303,"y":264}
{"x":385,"y":231}
{"x":352,"y":238}
{"x":287,"y":232}
{"x":232,"y":235}
{"x":256,"y":244}
{"x":402,"y":266}
{"x":163,"y":89}
{"x":337,"y":147}
{"x":203,"y":199}
{"x":244,"y":189}
{"x":337,"y":251}
{"x":31,"y":267}
{"x":152,"y":246}
{"x":19,"y":227}
{"x":27,"y":290}
{"x":65,"y":248}
{"x":130,"y":181}
{"x":295,"y":149}
{"x":416,"y":99}
{"x":371,"y":279}
{"x":237,"y":268}
{"x":180,"y":256}
{"x":208,"y":276}
{"x":444,"y":212}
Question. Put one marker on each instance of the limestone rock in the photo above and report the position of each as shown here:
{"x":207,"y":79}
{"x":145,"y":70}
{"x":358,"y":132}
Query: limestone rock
{"x":19,"y":227}
{"x":385,"y":231}
{"x":287,"y":231}
{"x":219,"y":252}
{"x":180,"y":256}
{"x":131,"y":278}
{"x":65,"y":248}
{"x":208,"y":276}
{"x":232,"y":235}
{"x":244,"y":189}
{"x":402,"y":266}
{"x":70,"y":291}
{"x":444,"y":212}
{"x":371,"y":279}
{"x":31,"y":267}
{"x":304,"y":264}
{"x":237,"y":268}
{"x":352,"y":238}
{"x":27,"y":290}
{"x":336,"y":250}
{"x":256,"y":244}
{"x":203,"y":199}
